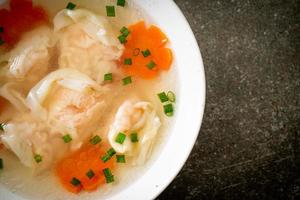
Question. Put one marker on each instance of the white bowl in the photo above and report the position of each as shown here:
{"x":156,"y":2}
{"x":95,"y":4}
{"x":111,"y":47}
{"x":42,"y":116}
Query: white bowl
{"x":189,"y":110}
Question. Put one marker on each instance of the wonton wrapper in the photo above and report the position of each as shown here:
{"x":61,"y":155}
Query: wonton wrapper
{"x":87,"y":43}
{"x":69,"y":102}
{"x":141,"y":118}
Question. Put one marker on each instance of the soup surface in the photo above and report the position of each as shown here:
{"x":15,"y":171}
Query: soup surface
{"x":87,"y":96}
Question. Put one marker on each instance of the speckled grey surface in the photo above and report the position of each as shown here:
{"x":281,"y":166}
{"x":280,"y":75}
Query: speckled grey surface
{"x":249,"y":143}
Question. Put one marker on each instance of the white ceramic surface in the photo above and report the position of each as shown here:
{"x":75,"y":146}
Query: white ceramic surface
{"x":190,"y":104}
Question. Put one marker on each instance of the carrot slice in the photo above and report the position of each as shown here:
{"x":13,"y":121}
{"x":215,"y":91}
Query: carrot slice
{"x":78,"y":164}
{"x":140,"y":39}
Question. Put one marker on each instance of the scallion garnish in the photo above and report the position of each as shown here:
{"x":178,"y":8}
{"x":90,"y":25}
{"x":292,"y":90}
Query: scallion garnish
{"x":110,"y":11}
{"x":38,"y":158}
{"x":168,"y":109}
{"x":1,"y":41}
{"x":128,"y":61}
{"x":127,"y":80}
{"x":75,"y":181}
{"x":71,"y":6}
{"x":90,"y":174}
{"x":171,"y":96}
{"x":108,"y":77}
{"x":134,"y":137}
{"x":125,"y":31}
{"x":1,"y":163}
{"x":146,"y":53}
{"x":163,"y":97}
{"x":111,"y":152}
{"x":151,"y":64}
{"x":120,"y":138}
{"x":1,"y":29}
{"x":121,"y":158}
{"x":122,"y":39}
{"x":95,"y":140}
{"x":108,"y":155}
{"x":108,"y":175}
{"x":2,"y":126}
{"x":121,"y":3}
{"x":67,"y":138}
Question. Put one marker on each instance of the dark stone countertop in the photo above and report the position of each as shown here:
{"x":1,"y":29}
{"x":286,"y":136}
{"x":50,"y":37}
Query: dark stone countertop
{"x":249,"y":143}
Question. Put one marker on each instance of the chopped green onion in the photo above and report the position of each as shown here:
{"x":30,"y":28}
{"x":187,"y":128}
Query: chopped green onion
{"x":111,"y":152}
{"x":168,"y":109}
{"x":67,"y":138}
{"x":136,"y":52}
{"x":125,"y":31}
{"x":121,"y":3}
{"x":1,"y":41}
{"x":127,"y":61}
{"x":151,"y":64}
{"x":108,"y":175}
{"x":121,"y":159}
{"x":108,"y":155}
{"x":110,"y":11}
{"x":134,"y":137}
{"x":1,"y":29}
{"x":95,"y":140}
{"x":120,"y":138}
{"x":127,"y":80}
{"x":105,"y":158}
{"x":75,"y":181}
{"x":108,"y":77}
{"x":38,"y":158}
{"x":90,"y":174}
{"x":146,"y":53}
{"x":2,"y":126}
{"x":163,"y":97}
{"x":171,"y":96}
{"x":122,"y":39}
{"x":1,"y":163}
{"x":71,"y":6}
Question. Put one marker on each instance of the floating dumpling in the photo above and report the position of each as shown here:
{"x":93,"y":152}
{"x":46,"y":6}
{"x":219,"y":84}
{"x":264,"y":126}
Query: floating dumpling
{"x":69,"y":102}
{"x":87,"y":43}
{"x":135,"y":117}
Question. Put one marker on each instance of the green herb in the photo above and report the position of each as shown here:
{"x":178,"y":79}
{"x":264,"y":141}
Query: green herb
{"x":108,"y":77}
{"x":120,"y":138}
{"x":67,"y":138}
{"x":134,"y":137}
{"x":168,"y":109}
{"x":121,"y":159}
{"x":95,"y":140}
{"x":127,"y":80}
{"x":151,"y":64}
{"x":71,"y":6}
{"x":127,"y":61}
{"x":125,"y":31}
{"x":90,"y":174}
{"x":38,"y":158}
{"x":163,"y":97}
{"x":105,"y":158}
{"x":171,"y":96}
{"x":1,"y":29}
{"x":1,"y":163}
{"x":121,"y":3}
{"x":75,"y":181}
{"x":122,"y":39}
{"x":111,"y":152}
{"x":146,"y":53}
{"x":108,"y":175}
{"x":110,"y":11}
{"x":2,"y":126}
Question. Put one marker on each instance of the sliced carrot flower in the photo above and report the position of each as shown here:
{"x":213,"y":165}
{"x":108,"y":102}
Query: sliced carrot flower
{"x":141,"y":39}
